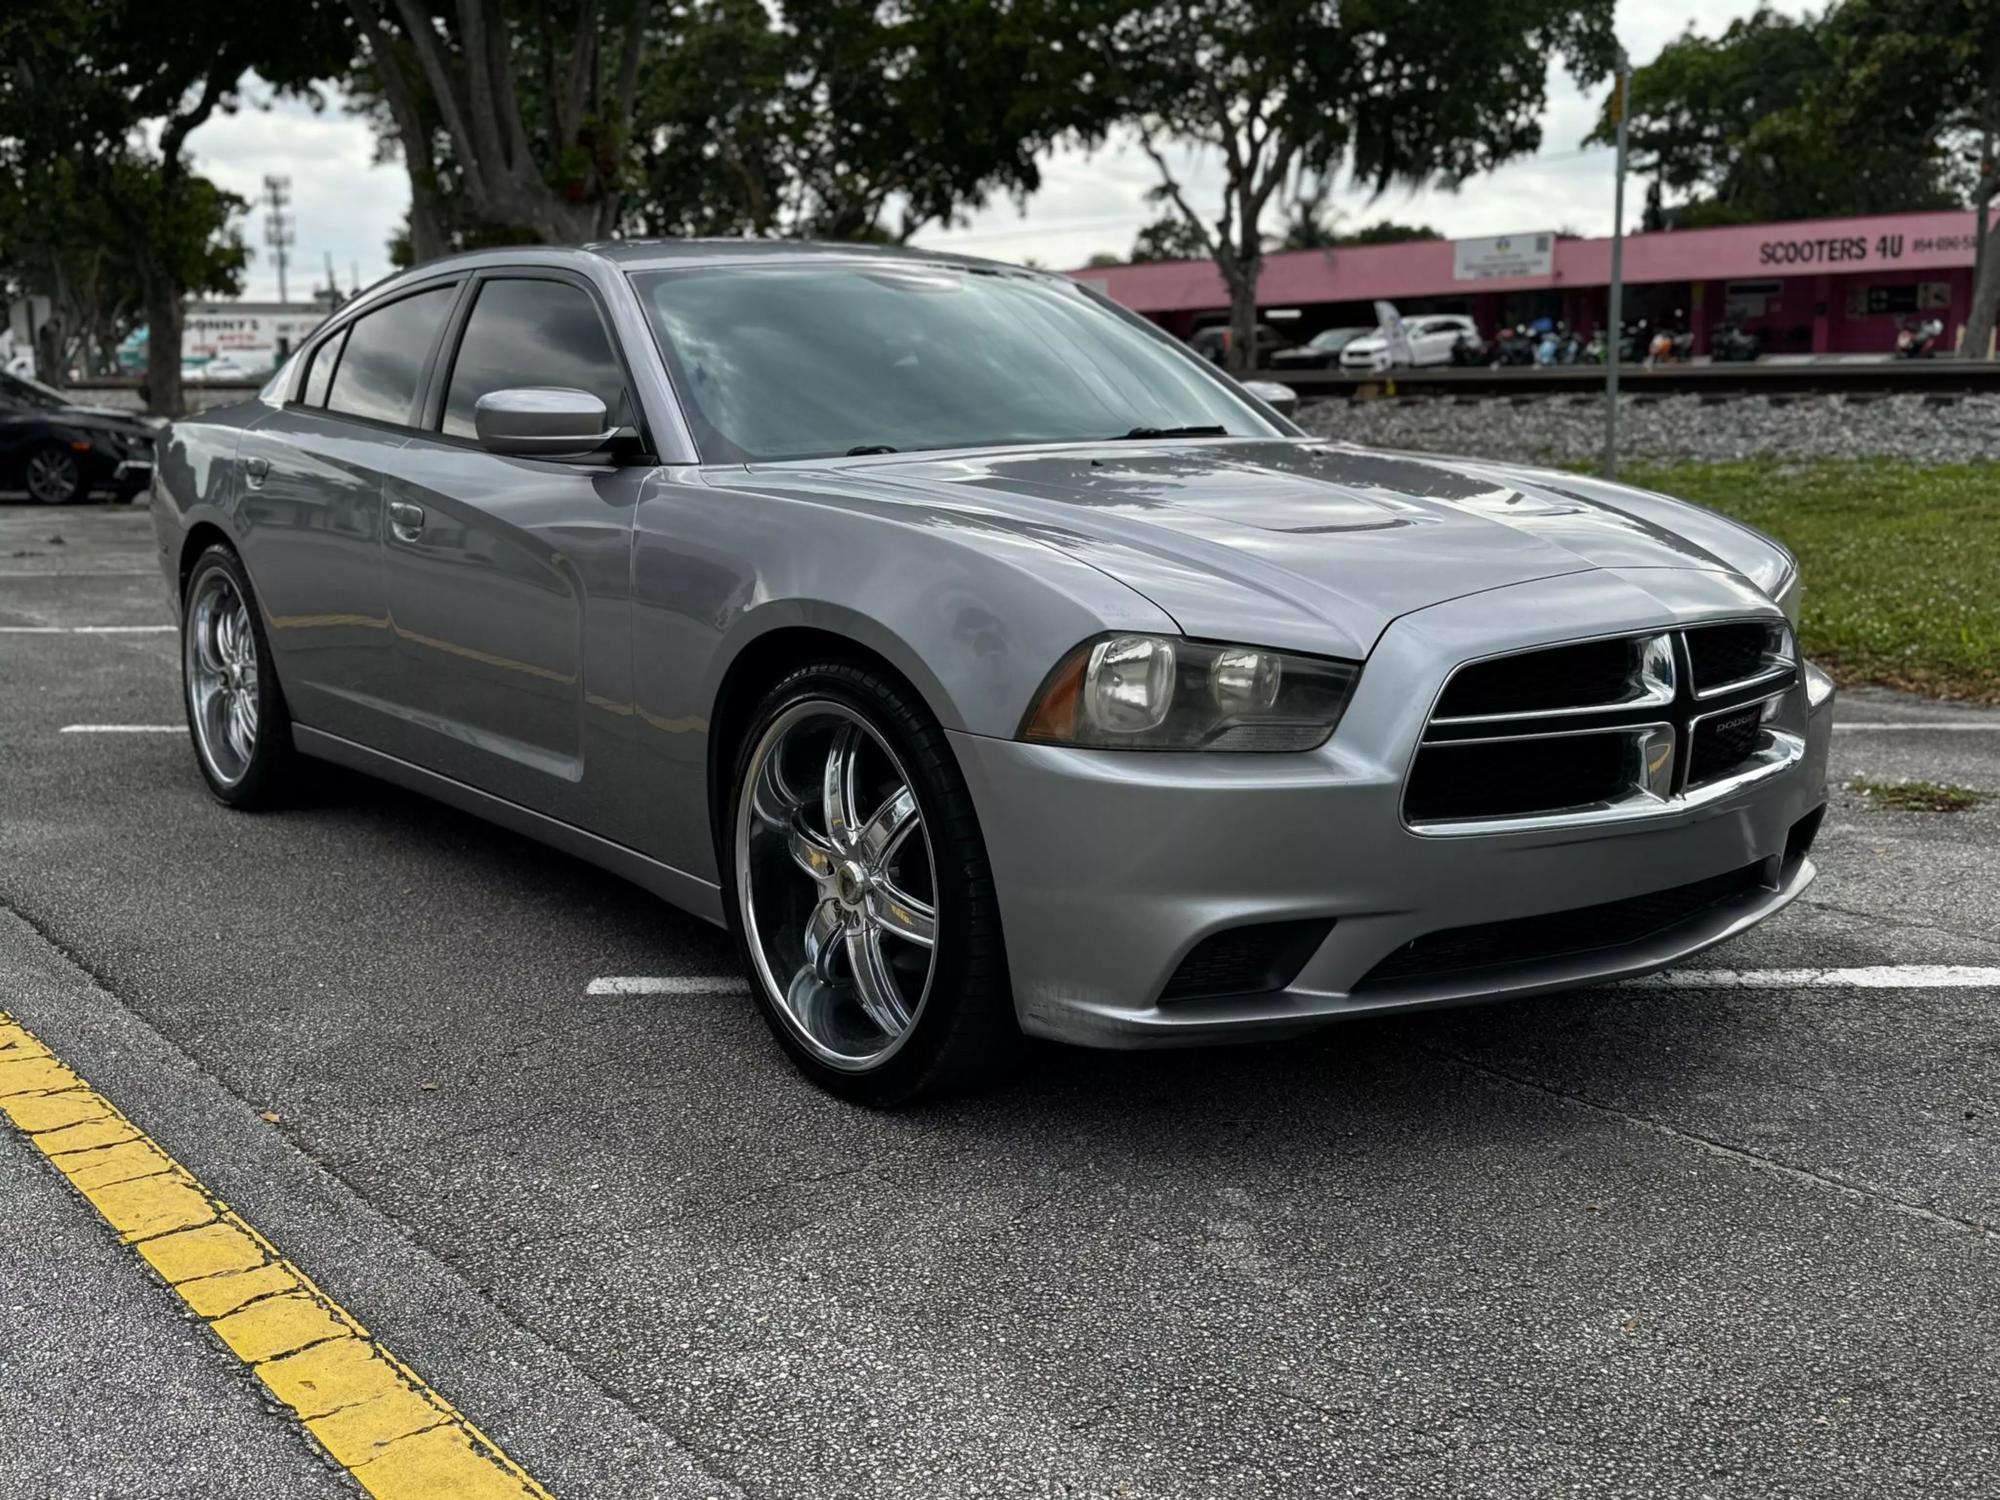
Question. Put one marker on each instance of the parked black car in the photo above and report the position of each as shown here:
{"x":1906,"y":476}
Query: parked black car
{"x":1212,"y":343}
{"x":1320,"y":352}
{"x":58,"y":451}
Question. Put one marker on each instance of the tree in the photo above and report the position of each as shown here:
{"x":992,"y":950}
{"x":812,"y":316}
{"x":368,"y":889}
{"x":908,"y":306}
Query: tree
{"x":1169,"y":238}
{"x":523,"y":110}
{"x":1934,"y":67}
{"x":87,"y":80}
{"x":1758,"y":124}
{"x":1399,"y":92}
{"x":853,"y":119}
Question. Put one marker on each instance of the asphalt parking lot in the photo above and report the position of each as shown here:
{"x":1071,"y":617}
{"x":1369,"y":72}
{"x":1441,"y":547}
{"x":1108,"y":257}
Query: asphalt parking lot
{"x":1672,"y":1240}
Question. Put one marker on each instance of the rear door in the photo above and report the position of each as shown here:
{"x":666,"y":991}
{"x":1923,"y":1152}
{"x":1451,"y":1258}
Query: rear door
{"x":310,"y":498}
{"x":509,"y":577}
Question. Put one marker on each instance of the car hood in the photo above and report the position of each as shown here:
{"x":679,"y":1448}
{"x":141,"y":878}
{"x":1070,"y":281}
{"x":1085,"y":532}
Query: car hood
{"x":101,"y":418}
{"x":1308,"y":545}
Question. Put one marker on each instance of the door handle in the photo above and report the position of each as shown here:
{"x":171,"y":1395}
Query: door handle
{"x":406,"y":520}
{"x":256,"y":470}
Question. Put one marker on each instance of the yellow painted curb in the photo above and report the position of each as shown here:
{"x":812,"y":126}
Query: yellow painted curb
{"x":399,"y":1438}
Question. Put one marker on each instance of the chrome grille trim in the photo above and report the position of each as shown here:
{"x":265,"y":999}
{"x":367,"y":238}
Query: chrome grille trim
{"x":1653,"y":683}
{"x":1650,"y":790}
{"x":1781,"y":655}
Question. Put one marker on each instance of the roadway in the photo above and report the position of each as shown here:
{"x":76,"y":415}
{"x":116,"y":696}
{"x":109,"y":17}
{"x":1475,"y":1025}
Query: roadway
{"x":1723,"y":1238}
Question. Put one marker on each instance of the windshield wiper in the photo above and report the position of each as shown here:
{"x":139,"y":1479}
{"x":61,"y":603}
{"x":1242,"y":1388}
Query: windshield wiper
{"x":863,"y":450}
{"x":1160,"y":432}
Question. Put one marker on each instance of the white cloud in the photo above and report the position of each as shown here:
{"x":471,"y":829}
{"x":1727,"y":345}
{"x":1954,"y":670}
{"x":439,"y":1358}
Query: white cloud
{"x":344,"y":204}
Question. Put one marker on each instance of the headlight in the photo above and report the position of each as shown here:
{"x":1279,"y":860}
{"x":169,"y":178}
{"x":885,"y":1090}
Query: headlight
{"x":1153,"y":692}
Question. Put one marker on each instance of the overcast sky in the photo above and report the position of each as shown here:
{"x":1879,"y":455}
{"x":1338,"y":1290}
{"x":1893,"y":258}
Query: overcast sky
{"x":347,"y":206}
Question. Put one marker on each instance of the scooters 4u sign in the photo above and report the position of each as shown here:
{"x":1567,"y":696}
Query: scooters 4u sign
{"x":1857,"y":251}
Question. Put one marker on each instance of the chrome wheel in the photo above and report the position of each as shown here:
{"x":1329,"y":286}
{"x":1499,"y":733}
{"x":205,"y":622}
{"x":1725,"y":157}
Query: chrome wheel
{"x":221,"y":663}
{"x":837,"y":884}
{"x":53,"y":476}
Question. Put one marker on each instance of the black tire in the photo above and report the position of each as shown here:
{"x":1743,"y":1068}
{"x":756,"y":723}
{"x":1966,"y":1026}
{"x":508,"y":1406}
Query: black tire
{"x":270,"y":775}
{"x":53,"y":475}
{"x":963,"y":1036}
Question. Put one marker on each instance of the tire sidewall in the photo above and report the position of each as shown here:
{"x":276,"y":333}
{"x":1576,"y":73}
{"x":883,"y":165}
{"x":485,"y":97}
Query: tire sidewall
{"x":908,"y":1070}
{"x":261,"y":780}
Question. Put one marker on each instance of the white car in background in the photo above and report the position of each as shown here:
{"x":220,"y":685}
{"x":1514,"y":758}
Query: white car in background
{"x":1431,"y":336}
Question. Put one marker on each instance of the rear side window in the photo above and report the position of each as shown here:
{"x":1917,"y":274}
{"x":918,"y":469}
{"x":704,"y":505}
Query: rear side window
{"x":319,"y":374}
{"x":384,"y":359}
{"x":530,"y":333}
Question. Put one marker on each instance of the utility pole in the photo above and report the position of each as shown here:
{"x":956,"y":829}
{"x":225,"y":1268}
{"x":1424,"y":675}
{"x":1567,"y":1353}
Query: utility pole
{"x":278,"y":224}
{"x":1614,"y":335}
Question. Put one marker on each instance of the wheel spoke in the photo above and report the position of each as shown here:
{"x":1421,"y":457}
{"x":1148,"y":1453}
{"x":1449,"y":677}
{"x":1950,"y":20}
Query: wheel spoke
{"x":902,"y":915}
{"x":813,"y":854}
{"x":837,"y":785}
{"x":874,"y":984}
{"x":823,"y":941}
{"x":239,"y":734}
{"x":882,"y":833}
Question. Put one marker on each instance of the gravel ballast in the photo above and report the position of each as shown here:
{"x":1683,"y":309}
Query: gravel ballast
{"x":1570,"y":428}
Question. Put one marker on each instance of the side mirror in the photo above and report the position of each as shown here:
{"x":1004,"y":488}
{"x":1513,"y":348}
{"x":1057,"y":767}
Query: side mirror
{"x":541,"y":422}
{"x":1281,"y":398}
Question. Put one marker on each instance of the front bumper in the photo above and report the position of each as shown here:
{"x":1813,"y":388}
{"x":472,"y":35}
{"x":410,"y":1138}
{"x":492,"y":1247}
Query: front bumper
{"x":1111,"y":867}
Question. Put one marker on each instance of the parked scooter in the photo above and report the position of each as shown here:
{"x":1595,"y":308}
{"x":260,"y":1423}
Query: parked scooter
{"x":1513,"y":346}
{"x":1919,"y":339}
{"x":1470,"y":349}
{"x":1732,"y":344}
{"x":1669,"y":347}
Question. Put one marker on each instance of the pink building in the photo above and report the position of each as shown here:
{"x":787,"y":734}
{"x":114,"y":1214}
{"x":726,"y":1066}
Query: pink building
{"x":1816,"y":286}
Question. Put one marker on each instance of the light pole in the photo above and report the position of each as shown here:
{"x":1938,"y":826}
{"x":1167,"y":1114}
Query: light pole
{"x":1615,"y":314}
{"x":278,"y":224}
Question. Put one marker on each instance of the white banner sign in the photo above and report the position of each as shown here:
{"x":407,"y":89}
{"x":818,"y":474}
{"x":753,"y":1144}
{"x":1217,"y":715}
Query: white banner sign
{"x":1504,"y":255}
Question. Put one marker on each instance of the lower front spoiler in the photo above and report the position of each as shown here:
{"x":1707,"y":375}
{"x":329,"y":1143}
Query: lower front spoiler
{"x":1295,"y":1011}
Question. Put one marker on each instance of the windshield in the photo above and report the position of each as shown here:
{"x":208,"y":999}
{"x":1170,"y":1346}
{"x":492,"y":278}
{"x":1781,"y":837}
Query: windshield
{"x":809,"y":361}
{"x":18,"y":390}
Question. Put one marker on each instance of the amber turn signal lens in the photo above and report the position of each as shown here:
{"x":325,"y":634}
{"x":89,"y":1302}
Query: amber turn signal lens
{"x":1055,"y":713}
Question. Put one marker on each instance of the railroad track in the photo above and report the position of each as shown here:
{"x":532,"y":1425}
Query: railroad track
{"x":1942,"y":377}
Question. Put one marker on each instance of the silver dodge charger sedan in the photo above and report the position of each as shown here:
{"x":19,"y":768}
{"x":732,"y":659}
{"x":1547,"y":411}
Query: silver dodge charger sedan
{"x":988,"y":664}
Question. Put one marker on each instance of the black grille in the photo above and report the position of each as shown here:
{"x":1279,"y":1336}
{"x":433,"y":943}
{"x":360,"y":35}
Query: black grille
{"x":1722,"y":744}
{"x":1722,"y":654}
{"x":1246,"y":960}
{"x":1579,"y":676}
{"x":1584,"y":929}
{"x":1514,"y":778}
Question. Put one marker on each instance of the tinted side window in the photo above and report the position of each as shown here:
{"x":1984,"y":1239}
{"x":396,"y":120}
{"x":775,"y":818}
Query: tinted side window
{"x":319,"y":374}
{"x":527,"y":333}
{"x":384,"y":359}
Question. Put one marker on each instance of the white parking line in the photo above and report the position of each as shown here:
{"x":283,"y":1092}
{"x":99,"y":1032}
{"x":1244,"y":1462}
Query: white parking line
{"x":1959,"y":726}
{"x":85,"y":629}
{"x":123,"y":729}
{"x":1882,"y":977}
{"x":668,"y":984}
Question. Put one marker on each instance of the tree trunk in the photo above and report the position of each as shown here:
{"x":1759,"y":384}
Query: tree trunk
{"x":163,"y":345}
{"x":50,"y":366}
{"x":1242,"y":279}
{"x":1986,"y":289}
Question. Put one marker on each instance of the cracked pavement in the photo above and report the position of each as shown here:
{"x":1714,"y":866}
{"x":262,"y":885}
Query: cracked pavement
{"x":1636,"y":1242}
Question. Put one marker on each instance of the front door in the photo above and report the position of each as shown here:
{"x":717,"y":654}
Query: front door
{"x":508,"y":577}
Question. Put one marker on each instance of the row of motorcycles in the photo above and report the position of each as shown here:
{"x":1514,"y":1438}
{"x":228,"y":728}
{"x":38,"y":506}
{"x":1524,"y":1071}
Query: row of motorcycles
{"x":1551,"y":341}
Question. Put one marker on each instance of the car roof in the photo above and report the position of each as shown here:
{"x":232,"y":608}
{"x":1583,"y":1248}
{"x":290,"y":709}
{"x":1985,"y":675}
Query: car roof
{"x":647,"y":255}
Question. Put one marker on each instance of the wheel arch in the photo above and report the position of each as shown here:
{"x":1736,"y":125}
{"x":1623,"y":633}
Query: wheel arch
{"x":199,"y":538}
{"x":763,"y":660}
